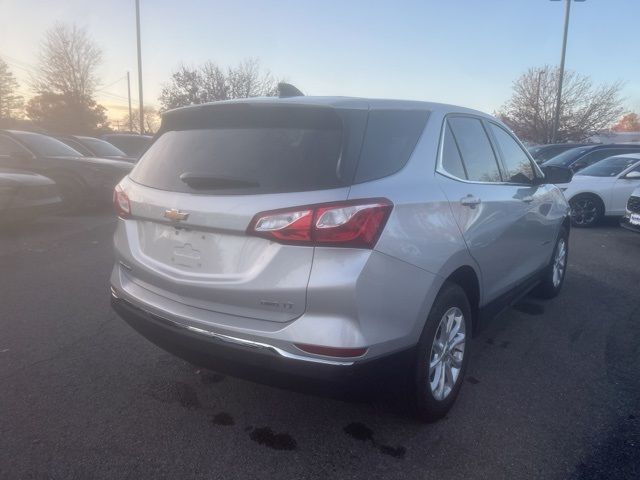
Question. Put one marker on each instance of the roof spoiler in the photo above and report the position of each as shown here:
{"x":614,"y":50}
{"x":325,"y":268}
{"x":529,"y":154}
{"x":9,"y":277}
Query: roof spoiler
{"x":286,"y":90}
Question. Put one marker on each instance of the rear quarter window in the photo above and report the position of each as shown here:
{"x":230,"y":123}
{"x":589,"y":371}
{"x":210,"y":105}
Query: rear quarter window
{"x":390,"y":139}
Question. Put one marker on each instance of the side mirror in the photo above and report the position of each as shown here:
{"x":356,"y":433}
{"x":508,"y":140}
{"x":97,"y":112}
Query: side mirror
{"x":577,"y":166}
{"x":556,"y":174}
{"x":635,"y":175}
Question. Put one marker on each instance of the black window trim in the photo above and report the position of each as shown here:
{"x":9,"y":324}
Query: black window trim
{"x":442,"y":171}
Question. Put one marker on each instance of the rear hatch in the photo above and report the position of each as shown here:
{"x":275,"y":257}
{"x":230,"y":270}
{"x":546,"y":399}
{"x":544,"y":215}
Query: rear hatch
{"x":210,"y":171}
{"x":212,"y":168}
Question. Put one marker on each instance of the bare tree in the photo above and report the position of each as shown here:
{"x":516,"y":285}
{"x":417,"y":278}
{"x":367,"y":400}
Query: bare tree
{"x":66,"y":81}
{"x":585,"y":108}
{"x":209,"y":82}
{"x":246,"y":80}
{"x":151,"y":120}
{"x":69,"y":60}
{"x":11,"y":103}
{"x":215,"y":83}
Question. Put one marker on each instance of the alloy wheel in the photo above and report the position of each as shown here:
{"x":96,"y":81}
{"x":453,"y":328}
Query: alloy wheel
{"x":584,"y":211}
{"x":559,"y":262}
{"x":447,"y":353}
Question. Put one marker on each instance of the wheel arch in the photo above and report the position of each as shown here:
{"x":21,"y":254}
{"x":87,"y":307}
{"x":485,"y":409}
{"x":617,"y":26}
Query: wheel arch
{"x":467,"y":279}
{"x":588,"y":193}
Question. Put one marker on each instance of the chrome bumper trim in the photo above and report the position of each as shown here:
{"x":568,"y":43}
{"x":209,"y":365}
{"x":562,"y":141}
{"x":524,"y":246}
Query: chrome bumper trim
{"x":238,"y":341}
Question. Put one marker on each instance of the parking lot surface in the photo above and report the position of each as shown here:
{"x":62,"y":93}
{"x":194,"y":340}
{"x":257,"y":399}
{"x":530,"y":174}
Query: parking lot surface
{"x":552,"y":391}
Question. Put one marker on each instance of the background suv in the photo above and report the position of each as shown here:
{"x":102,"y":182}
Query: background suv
{"x":542,"y":153}
{"x":581,"y":157}
{"x":333,"y":237}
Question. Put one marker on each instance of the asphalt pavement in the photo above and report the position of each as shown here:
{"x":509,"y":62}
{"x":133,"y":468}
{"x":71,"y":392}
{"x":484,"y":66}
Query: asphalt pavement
{"x":552,"y":391}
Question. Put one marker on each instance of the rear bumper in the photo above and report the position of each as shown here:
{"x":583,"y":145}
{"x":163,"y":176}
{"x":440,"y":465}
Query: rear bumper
{"x":263,"y":363}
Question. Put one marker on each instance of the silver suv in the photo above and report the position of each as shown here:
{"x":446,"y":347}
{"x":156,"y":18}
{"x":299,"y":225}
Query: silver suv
{"x":334,"y":238}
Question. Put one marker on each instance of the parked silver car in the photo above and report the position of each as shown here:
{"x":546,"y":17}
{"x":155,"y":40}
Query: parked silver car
{"x":333,"y":237}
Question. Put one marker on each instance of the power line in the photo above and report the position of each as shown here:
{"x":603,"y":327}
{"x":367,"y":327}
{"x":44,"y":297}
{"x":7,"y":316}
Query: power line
{"x":111,"y":94}
{"x":111,"y":84}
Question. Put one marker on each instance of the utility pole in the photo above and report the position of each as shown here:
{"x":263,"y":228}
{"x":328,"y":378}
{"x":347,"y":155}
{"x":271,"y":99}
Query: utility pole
{"x":141,"y":113}
{"x":129,"y":94}
{"x":556,"y":119}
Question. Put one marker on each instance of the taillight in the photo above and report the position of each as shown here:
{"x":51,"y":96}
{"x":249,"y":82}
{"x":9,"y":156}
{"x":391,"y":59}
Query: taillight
{"x":121,"y":202}
{"x":353,"y":223}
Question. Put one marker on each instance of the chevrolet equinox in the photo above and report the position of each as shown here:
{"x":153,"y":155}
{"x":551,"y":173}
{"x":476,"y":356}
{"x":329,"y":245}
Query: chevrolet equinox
{"x":328,"y":238}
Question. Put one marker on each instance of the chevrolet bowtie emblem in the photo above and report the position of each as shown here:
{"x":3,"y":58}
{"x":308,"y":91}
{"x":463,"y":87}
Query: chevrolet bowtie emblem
{"x":175,"y":215}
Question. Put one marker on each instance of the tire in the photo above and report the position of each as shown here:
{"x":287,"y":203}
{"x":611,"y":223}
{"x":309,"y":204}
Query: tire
{"x":432,"y":403}
{"x":554,"y":274}
{"x":586,"y":210}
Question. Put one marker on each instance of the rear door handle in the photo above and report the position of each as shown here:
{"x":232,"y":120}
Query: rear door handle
{"x":528,"y":199}
{"x":470,"y":201}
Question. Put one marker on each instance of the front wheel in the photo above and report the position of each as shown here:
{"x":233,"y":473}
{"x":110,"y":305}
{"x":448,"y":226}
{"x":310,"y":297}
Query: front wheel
{"x":554,"y":274}
{"x":443,"y":354}
{"x":586,"y":210}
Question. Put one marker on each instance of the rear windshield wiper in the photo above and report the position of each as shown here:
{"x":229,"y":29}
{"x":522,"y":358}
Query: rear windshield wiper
{"x":216,"y":182}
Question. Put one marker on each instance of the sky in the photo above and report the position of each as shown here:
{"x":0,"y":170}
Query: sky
{"x":465,"y":52}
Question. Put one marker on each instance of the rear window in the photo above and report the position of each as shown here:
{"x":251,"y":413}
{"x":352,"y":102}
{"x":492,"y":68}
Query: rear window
{"x":46,"y":146}
{"x":609,"y":167}
{"x":131,"y":145}
{"x":566,"y":158}
{"x":277,"y":150}
{"x":243,"y":160}
{"x":102,"y":148}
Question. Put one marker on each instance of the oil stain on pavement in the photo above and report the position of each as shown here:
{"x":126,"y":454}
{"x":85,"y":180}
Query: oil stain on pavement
{"x":278,"y":441}
{"x":222,"y":418}
{"x":361,"y":432}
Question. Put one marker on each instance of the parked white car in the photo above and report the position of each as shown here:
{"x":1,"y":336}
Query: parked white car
{"x":631,"y":219}
{"x":602,"y":189}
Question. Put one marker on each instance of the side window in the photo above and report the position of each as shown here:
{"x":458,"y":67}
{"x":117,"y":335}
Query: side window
{"x":451,"y":159}
{"x":594,"y":157}
{"x":9,"y":147}
{"x":518,"y":165}
{"x":477,"y":154}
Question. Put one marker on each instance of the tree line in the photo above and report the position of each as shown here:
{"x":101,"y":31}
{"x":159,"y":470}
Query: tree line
{"x":66,"y":82}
